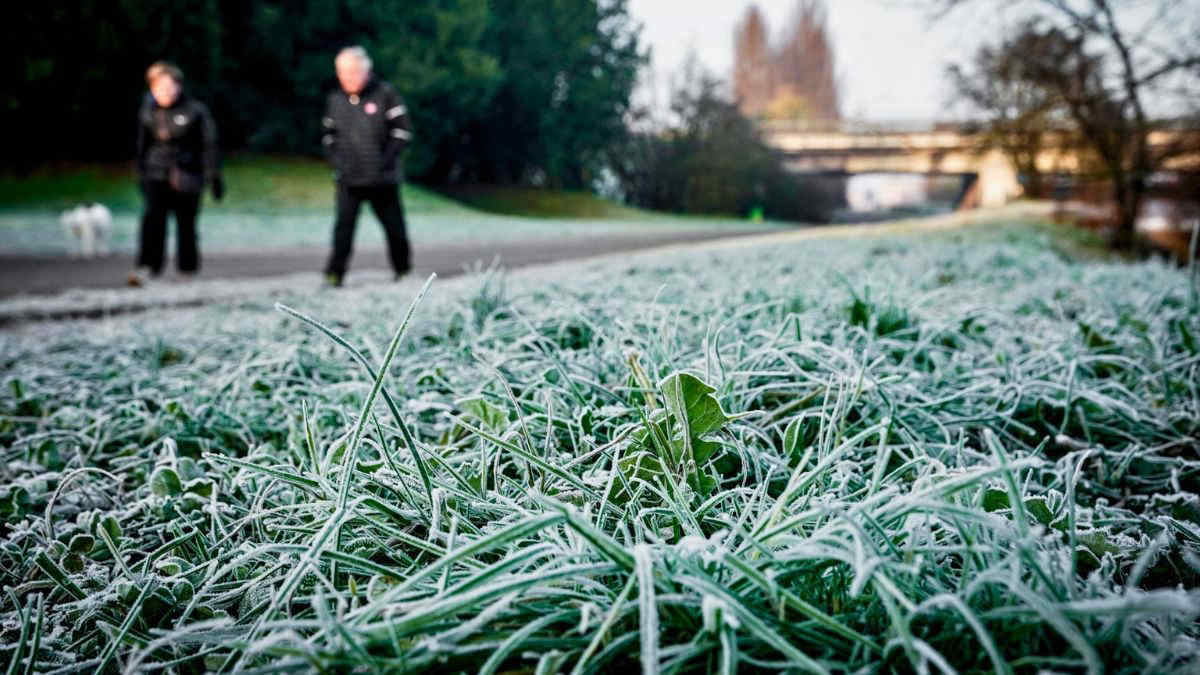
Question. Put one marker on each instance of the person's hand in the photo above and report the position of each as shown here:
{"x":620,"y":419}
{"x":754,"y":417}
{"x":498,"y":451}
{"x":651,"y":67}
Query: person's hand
{"x":218,"y":188}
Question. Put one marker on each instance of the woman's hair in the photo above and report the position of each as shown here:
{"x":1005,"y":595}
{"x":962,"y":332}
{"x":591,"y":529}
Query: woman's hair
{"x":160,"y":68}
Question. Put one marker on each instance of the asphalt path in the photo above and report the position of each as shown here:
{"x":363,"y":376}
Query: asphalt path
{"x":49,"y":275}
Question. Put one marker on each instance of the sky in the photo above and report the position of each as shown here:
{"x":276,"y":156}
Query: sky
{"x":891,"y":56}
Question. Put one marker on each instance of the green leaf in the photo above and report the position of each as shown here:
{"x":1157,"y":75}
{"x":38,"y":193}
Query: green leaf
{"x":1092,"y":338}
{"x":189,"y":469}
{"x":58,"y":575}
{"x":995,"y":499}
{"x":170,"y":566}
{"x":82,"y":544}
{"x":110,"y":525}
{"x":72,"y":562}
{"x":702,"y":483}
{"x":704,"y":449}
{"x":697,"y":413}
{"x":188,"y":502}
{"x":640,"y":465}
{"x":182,"y":591}
{"x":658,"y":425}
{"x":370,"y":466}
{"x":18,"y":503}
{"x":492,"y":416}
{"x":688,"y":394}
{"x":1097,"y":542}
{"x":1039,"y":509}
{"x":164,"y":482}
{"x":792,"y":437}
{"x":199,"y":486}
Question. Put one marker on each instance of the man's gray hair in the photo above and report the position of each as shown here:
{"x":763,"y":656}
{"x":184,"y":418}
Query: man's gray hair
{"x":355,"y":52}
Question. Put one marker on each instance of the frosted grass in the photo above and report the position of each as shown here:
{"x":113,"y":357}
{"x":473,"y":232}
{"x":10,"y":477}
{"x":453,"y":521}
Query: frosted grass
{"x":944,"y":453}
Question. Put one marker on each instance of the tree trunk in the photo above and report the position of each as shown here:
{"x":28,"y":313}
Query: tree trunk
{"x":1036,"y":185}
{"x":1129,"y":201}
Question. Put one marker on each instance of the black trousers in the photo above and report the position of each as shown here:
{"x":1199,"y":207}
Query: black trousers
{"x":162,"y":199}
{"x":385,"y":202}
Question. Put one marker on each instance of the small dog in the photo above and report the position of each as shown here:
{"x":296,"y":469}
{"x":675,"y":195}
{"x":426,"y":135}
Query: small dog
{"x":91,"y":224}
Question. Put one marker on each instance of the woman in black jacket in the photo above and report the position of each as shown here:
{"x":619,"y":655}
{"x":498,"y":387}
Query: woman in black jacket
{"x":176,"y":158}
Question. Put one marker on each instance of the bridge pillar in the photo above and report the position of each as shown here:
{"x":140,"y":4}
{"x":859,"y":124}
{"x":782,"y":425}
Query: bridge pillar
{"x":998,"y":182}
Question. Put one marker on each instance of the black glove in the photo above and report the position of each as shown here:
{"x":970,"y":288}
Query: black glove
{"x":218,"y":188}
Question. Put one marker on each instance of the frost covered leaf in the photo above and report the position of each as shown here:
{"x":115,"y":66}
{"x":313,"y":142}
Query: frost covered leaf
{"x":164,"y":482}
{"x":493,"y":417}
{"x":689,"y":398}
{"x":111,"y":527}
{"x":72,"y":562}
{"x":81,"y":543}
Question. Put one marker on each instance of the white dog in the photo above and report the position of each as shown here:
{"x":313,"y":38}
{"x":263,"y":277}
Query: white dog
{"x":91,"y":225}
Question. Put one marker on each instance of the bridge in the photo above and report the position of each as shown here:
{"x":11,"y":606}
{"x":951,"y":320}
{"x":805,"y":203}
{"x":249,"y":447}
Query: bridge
{"x":989,"y":177}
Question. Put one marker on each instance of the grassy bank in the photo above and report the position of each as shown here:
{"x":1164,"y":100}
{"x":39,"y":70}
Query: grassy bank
{"x":285,"y":202}
{"x":537,"y":203}
{"x":960,"y":449}
{"x":254,"y":183}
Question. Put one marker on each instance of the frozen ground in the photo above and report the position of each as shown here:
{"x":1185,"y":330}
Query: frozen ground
{"x":907,"y":448}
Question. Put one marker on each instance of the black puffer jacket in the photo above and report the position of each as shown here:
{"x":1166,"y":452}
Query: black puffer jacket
{"x":183,"y":136}
{"x":365,"y":134}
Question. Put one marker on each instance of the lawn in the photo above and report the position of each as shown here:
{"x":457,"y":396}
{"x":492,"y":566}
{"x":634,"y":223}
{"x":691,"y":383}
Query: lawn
{"x":287,"y":202}
{"x":968,"y":450}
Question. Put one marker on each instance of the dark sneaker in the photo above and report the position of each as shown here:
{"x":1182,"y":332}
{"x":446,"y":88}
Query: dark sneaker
{"x":400,"y":274}
{"x":333,"y":280}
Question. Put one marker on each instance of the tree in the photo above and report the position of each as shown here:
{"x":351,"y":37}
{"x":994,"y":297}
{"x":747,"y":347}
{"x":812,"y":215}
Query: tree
{"x":1106,"y":78}
{"x":753,"y":71}
{"x":499,"y":90}
{"x":713,"y":160}
{"x":797,"y":78}
{"x":1020,"y":112}
{"x":73,"y":71}
{"x":569,"y":69}
{"x":804,"y":63}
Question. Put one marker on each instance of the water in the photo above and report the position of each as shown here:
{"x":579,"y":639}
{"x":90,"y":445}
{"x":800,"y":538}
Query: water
{"x":879,"y":196}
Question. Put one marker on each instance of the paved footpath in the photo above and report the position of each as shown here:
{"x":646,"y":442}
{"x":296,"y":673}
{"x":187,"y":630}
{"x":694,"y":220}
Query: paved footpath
{"x":36,"y":288}
{"x":42,"y":275}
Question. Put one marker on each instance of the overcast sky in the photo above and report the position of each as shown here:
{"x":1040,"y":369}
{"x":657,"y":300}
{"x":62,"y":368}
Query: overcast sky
{"x":891,"y":58}
{"x":891,"y":55}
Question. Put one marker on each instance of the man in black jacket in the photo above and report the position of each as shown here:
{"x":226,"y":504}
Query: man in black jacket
{"x":366,"y":128}
{"x":176,"y":157}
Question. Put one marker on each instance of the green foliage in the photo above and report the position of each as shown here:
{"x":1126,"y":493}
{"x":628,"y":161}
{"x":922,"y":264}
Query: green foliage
{"x":569,"y":68}
{"x":675,"y":444}
{"x":713,"y":160}
{"x":881,"y":319}
{"x":499,"y":91}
